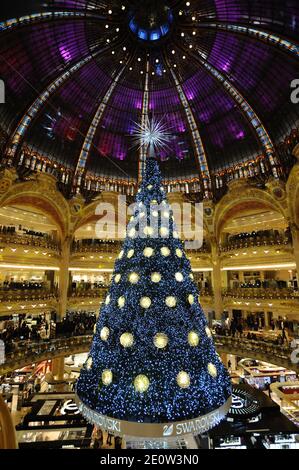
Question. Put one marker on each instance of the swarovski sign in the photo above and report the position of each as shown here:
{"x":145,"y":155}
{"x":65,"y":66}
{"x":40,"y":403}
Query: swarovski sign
{"x":155,"y":430}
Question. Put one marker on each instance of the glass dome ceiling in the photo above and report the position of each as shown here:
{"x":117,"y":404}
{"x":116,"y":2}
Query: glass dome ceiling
{"x":80,"y":73}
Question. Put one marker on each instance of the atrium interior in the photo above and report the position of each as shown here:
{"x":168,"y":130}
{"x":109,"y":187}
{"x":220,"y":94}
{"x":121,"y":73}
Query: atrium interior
{"x":114,"y":111}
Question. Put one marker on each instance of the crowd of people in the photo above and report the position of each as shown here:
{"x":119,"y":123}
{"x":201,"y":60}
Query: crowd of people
{"x":42,"y":329}
{"x":248,"y":327}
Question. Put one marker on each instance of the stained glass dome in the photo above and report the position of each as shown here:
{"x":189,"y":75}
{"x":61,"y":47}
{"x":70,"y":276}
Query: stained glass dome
{"x":79,"y":74}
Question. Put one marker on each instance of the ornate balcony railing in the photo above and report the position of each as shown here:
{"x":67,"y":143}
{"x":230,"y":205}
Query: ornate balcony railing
{"x":26,"y":294}
{"x":260,"y":293}
{"x":254,"y":242}
{"x":30,"y":353}
{"x":98,"y":293}
{"x":29,"y":240}
{"x":96,"y":246}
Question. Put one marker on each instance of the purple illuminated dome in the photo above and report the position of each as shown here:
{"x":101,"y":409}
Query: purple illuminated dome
{"x":79,"y":75}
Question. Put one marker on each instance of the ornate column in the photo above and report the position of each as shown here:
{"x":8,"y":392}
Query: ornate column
{"x":64,"y":277}
{"x":58,"y":368}
{"x":217,"y":279}
{"x":8,"y":438}
{"x":295,"y":238}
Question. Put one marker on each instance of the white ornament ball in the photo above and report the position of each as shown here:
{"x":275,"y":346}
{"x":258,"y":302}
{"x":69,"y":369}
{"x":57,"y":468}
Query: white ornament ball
{"x":121,"y":254}
{"x":171,"y":301}
{"x":145,"y":302}
{"x":107,"y":377}
{"x":160,"y":340}
{"x":148,"y":231}
{"x":175,"y":234}
{"x":192,"y":276}
{"x":130,"y":254}
{"x":155,"y":213}
{"x":164,"y":232}
{"x":156,"y":278}
{"x":148,"y":252}
{"x":154,"y":201}
{"x":165,"y":251}
{"x":191,"y":299}
{"x":183,"y":379}
{"x":105,"y":332}
{"x":166,"y":214}
{"x":141,"y":383}
{"x":179,"y":253}
{"x":193,"y":339}
{"x":150,"y":186}
{"x":117,"y":278}
{"x":179,"y":277}
{"x":107,"y":301}
{"x":212,"y":370}
{"x":127,"y":340}
{"x":134,"y":278}
{"x":121,"y":302}
{"x":132,"y":233}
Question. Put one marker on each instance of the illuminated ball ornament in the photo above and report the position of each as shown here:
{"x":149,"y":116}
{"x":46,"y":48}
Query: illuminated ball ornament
{"x":165,"y":251}
{"x":121,"y":302}
{"x":183,"y":379}
{"x":154,"y":202}
{"x":179,"y":277}
{"x":193,"y":339}
{"x":191,"y":299}
{"x":171,"y":301}
{"x":148,"y":252}
{"x":134,"y":278}
{"x":89,"y":363}
{"x":212,"y":370}
{"x":191,"y":276}
{"x":155,"y":213}
{"x":166,"y":214}
{"x":132,"y":233}
{"x":127,"y":340}
{"x":164,"y":232}
{"x":175,"y":234}
{"x":160,"y":340}
{"x":150,"y":186}
{"x":121,"y":254}
{"x":105,"y":332}
{"x":117,"y":278}
{"x":162,"y":189}
{"x":107,"y":377}
{"x":156,"y":278}
{"x":141,"y":383}
{"x":148,"y":231}
{"x":107,"y":301}
{"x":208,"y":332}
{"x":130,"y":254}
{"x":179,"y":253}
{"x":145,"y":302}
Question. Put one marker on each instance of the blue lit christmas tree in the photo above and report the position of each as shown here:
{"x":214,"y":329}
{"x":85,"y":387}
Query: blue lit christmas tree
{"x":153,"y":359}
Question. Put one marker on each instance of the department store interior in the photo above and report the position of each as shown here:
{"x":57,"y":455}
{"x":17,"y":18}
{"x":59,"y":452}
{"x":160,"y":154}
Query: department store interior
{"x":78,"y":78}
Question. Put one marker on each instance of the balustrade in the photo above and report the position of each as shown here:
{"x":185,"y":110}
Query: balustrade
{"x":260,"y":293}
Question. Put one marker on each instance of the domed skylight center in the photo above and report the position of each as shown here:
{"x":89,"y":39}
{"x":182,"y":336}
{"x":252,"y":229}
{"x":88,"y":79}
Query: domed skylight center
{"x":151,"y":21}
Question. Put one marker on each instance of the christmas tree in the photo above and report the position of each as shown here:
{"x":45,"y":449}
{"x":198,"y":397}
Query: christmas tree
{"x":153,"y":359}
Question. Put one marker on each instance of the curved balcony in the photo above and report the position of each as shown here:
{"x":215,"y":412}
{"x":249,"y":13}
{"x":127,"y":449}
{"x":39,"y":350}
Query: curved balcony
{"x":261,"y":293}
{"x":29,"y":241}
{"x":96,"y":246}
{"x":30,"y":353}
{"x":26,"y":294}
{"x":255,"y":242}
{"x":96,"y":293}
